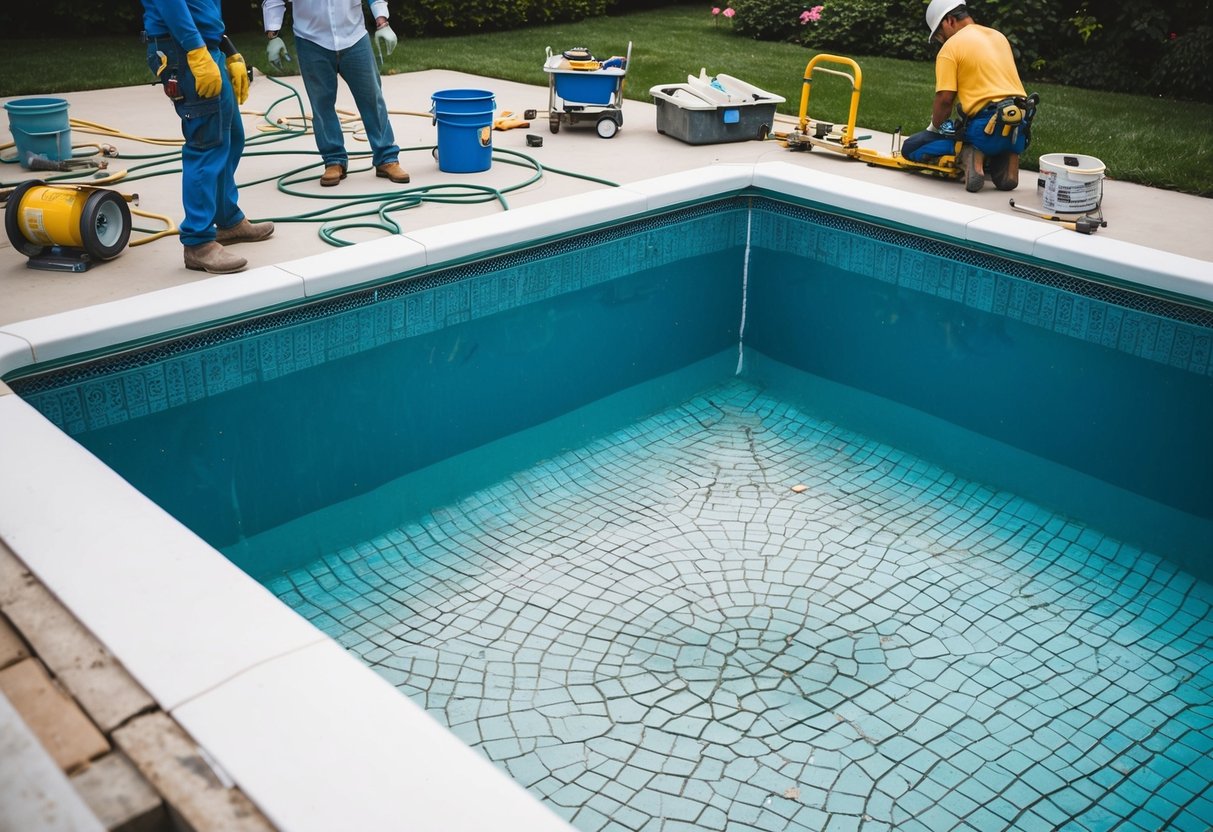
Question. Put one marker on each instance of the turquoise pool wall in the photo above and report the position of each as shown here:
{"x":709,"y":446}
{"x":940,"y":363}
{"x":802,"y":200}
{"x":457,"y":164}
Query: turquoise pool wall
{"x":238,"y":431}
{"x":445,"y":363}
{"x":1110,"y":383}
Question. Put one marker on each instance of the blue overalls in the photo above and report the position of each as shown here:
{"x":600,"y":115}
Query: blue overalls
{"x":213,"y":131}
{"x":927,"y":144}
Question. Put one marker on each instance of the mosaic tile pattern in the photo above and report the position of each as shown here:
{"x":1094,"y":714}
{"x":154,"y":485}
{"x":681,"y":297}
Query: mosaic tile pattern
{"x":1137,"y":324}
{"x":664,"y":631}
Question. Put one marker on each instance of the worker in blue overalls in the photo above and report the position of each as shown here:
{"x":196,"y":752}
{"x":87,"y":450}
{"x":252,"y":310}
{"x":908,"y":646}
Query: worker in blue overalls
{"x":207,"y":80}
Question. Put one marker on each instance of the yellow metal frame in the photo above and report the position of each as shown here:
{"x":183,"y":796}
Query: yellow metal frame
{"x":811,"y":133}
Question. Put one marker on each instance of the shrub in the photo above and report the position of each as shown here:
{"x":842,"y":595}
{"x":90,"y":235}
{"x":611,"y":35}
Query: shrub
{"x":1037,"y":29}
{"x":449,"y":17}
{"x":889,"y":28}
{"x":767,"y":19}
{"x":1186,"y":68}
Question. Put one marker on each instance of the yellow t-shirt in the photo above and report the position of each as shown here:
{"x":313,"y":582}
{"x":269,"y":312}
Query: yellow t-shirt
{"x":977,"y":64}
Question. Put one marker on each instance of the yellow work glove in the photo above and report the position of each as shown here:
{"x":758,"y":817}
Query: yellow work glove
{"x":207,"y":80}
{"x":238,"y":72}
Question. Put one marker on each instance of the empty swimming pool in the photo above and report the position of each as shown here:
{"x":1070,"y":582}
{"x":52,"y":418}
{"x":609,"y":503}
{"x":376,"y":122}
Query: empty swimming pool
{"x":741,"y":516}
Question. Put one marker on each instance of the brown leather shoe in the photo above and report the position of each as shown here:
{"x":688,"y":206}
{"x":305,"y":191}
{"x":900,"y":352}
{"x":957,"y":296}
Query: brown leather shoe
{"x":244,"y":232}
{"x":332,"y":175}
{"x":392,"y":171}
{"x":213,"y":258}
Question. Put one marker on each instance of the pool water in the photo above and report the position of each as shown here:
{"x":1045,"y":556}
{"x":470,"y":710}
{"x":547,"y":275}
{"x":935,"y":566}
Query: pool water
{"x":734,"y":615}
{"x":746,"y":516}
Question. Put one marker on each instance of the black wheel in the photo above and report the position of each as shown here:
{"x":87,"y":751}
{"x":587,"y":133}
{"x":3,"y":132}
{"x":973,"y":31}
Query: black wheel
{"x":12,"y":224}
{"x":105,"y":224}
{"x":763,"y":132}
{"x":554,"y":124}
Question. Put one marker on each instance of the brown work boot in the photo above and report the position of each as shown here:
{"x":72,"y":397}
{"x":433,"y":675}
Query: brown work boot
{"x":392,"y":171}
{"x":970,"y":162}
{"x":213,"y":258}
{"x":332,"y":175}
{"x":1004,"y":170}
{"x":244,"y":232}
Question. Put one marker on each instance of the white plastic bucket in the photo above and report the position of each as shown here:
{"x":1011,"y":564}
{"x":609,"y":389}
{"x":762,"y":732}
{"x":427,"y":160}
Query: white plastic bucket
{"x":1070,"y":183}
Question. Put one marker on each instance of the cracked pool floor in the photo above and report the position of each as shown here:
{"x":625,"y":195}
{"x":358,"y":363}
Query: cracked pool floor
{"x":731,"y":615}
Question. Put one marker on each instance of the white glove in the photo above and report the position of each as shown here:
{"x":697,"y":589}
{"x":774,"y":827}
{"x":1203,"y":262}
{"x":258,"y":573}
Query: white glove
{"x":385,"y":42}
{"x":276,"y":52}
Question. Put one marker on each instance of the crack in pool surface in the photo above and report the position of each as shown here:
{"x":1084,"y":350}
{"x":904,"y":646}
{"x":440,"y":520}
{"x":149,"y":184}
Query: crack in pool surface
{"x":655,"y":632}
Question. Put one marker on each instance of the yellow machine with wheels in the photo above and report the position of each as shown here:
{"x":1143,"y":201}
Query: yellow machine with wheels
{"x":66,"y":227}
{"x":810,"y":132}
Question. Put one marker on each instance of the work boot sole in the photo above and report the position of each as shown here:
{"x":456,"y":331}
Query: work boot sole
{"x":222,"y":263}
{"x":217,"y":269}
{"x":974,"y":180}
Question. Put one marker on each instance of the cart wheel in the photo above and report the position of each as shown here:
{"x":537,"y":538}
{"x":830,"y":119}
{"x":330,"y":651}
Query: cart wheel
{"x":763,"y":132}
{"x":434,"y":153}
{"x":554,"y":124}
{"x":607,"y":128}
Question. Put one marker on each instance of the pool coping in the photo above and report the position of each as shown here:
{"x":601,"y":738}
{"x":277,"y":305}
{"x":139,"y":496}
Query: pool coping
{"x":243,"y":673}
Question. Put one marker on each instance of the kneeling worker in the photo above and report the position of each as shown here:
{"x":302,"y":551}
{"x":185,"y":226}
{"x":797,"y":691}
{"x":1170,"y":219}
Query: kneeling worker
{"x":974,"y":69}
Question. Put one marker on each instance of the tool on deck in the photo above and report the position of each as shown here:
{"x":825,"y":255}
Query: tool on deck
{"x":1083,"y":225}
{"x":810,"y":132}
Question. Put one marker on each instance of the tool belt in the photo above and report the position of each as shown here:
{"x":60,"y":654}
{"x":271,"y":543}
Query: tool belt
{"x":1012,"y":115}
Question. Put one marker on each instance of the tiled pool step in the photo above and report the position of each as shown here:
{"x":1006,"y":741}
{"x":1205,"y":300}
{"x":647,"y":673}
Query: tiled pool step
{"x":658,"y":631}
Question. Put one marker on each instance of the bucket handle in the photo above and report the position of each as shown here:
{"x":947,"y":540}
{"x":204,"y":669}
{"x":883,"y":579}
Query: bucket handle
{"x":17,"y":129}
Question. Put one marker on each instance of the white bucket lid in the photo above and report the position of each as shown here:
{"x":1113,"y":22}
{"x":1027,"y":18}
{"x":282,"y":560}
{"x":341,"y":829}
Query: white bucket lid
{"x":1073,"y":164}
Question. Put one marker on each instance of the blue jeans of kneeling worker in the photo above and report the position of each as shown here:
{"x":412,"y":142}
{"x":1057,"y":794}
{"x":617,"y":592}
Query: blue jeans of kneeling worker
{"x":320,"y":68}
{"x":214,"y":142}
{"x":927,"y":144}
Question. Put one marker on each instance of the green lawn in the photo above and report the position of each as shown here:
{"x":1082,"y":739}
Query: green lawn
{"x":1151,"y":141}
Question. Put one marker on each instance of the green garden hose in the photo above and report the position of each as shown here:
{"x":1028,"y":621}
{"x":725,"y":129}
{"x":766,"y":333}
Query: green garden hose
{"x":344,"y":211}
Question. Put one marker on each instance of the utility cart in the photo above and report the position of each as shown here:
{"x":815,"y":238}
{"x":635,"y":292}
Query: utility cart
{"x":581,"y":88}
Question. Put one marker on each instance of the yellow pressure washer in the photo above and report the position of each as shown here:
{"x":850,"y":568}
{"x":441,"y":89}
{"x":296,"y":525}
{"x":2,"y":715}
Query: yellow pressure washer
{"x":66,"y":227}
{"x":810,"y":132}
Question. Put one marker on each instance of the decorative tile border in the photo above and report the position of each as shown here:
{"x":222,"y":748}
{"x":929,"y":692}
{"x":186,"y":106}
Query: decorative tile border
{"x":1148,"y":327}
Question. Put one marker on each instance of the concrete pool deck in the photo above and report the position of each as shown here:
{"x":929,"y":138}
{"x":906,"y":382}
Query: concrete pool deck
{"x":1167,"y":221}
{"x":1150,"y":217}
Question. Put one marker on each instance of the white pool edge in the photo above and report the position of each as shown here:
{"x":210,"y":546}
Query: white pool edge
{"x":312,"y":736}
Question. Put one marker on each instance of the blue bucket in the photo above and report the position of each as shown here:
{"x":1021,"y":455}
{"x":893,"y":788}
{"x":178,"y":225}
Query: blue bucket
{"x":40,"y":128}
{"x":465,"y":130}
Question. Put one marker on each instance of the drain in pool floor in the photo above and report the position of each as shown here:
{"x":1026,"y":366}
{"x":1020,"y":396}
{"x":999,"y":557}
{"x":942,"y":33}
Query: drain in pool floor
{"x":656,"y":632}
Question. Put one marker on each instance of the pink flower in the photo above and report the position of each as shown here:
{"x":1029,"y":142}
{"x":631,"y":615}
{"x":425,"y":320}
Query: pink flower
{"x":1174,"y":36}
{"x":716,"y":11}
{"x":729,"y":13}
{"x":812,"y":15}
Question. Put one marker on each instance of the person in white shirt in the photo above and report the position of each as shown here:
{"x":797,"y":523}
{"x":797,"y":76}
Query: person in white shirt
{"x":332,"y":40}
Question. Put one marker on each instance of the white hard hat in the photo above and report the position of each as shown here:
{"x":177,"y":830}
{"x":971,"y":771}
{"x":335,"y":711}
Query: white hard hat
{"x":936,"y":12}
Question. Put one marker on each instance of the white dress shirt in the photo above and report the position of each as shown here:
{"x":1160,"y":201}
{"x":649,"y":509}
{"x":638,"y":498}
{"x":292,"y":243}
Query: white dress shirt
{"x":332,"y":24}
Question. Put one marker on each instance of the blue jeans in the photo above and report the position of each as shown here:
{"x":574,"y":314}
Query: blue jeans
{"x":320,"y":68}
{"x":928,"y":145}
{"x":214,"y":141}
